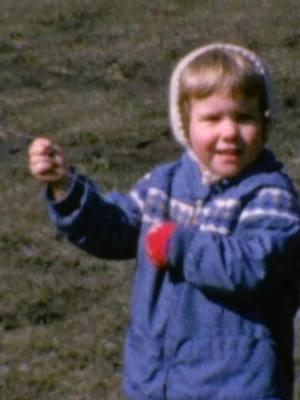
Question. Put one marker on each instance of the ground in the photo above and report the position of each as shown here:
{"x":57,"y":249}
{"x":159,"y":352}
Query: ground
{"x":93,"y":75}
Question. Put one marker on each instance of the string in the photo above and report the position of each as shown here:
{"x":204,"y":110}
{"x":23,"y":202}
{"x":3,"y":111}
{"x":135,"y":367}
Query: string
{"x":27,"y":139}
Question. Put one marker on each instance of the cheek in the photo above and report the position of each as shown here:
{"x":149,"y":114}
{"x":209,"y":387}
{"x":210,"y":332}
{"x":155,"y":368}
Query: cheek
{"x":194,"y":136}
{"x":201,"y":144}
{"x":254,"y":145}
{"x":256,"y":138}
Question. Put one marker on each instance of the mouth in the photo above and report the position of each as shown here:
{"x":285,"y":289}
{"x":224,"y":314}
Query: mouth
{"x":230,"y":152}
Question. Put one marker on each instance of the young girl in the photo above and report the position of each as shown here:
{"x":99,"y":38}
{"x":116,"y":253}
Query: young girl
{"x":215,"y":235}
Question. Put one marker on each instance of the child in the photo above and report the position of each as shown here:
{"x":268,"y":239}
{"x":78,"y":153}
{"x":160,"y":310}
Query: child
{"x":215,"y":235}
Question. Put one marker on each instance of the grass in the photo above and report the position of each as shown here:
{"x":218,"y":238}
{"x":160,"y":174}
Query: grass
{"x":93,"y":75}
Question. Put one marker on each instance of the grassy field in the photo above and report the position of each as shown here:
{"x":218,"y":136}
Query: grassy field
{"x":93,"y":75}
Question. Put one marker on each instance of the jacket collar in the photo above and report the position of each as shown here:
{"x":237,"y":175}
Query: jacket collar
{"x":201,"y":181}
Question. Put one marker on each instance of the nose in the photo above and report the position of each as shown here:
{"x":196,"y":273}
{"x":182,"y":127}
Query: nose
{"x":229,"y":129}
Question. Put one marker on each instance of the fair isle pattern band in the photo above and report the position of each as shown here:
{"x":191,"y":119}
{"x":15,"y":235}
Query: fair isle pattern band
{"x":272,"y":202}
{"x":218,"y":216}
{"x":174,"y":111}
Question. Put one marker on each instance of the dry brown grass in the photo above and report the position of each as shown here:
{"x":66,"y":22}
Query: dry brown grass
{"x":93,"y":75}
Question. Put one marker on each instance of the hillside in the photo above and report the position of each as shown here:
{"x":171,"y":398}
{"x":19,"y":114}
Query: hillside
{"x":93,"y":75}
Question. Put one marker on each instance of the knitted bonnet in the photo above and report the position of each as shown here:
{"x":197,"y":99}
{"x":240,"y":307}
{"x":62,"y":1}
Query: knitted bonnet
{"x":175,"y":116}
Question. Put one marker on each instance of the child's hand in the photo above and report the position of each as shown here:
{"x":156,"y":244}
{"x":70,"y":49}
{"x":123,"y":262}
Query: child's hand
{"x":48,"y":165}
{"x":156,"y":243}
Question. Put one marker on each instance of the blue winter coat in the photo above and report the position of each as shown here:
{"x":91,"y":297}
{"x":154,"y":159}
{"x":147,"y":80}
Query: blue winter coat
{"x":218,"y":325}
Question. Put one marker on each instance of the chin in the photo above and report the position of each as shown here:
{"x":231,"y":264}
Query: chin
{"x":227,"y":174}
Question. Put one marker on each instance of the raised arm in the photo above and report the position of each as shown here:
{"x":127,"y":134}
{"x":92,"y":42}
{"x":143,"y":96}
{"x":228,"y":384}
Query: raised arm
{"x":104,"y":225}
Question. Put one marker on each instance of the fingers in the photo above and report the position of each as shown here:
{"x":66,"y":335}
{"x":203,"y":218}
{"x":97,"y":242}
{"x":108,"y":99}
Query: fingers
{"x":43,"y":147}
{"x":46,"y":161}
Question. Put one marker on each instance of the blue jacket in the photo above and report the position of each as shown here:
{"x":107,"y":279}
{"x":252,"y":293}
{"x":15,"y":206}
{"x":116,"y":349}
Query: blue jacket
{"x":218,"y":325}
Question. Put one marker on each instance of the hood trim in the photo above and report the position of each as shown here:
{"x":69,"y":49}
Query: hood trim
{"x":175,"y":117}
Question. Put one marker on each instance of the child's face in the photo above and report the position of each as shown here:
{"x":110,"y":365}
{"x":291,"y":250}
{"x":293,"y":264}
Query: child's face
{"x":226,"y":132}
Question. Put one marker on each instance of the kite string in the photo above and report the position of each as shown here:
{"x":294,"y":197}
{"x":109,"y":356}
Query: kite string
{"x":26,"y":138}
{"x":70,"y":171}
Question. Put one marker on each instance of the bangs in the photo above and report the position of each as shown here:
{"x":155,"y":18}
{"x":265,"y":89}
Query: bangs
{"x":218,"y":71}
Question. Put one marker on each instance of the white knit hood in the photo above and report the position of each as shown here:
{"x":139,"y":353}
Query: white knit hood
{"x":174,"y":107}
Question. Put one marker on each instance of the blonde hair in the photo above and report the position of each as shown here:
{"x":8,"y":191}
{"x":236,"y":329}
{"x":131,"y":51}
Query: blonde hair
{"x":213,"y":68}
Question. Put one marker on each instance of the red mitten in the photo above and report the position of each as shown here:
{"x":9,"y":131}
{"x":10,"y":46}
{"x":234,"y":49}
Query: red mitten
{"x":156,"y":242}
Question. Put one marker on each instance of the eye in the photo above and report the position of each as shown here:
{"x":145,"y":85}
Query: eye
{"x":247,"y":117}
{"x":213,"y":117}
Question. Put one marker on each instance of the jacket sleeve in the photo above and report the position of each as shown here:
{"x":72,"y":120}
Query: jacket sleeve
{"x":106,"y":226}
{"x":258,"y":254}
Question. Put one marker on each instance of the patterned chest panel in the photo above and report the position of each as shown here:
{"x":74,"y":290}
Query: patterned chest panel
{"x":221,"y":213}
{"x":218,"y":215}
{"x":273,"y":203}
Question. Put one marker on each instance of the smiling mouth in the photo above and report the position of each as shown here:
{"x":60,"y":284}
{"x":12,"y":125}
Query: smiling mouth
{"x":230,"y":152}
